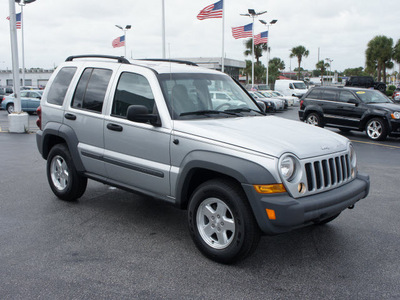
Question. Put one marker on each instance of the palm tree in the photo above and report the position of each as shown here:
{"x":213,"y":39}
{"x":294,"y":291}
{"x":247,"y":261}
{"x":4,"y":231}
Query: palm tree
{"x":275,"y":66}
{"x":379,"y":54}
{"x":299,"y":52}
{"x":396,"y":52}
{"x":258,"y":49}
{"x":322,"y":66}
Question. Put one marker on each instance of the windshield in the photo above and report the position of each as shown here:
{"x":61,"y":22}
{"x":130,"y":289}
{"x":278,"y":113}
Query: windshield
{"x":193,"y":96}
{"x":300,"y":85}
{"x":371,"y":96}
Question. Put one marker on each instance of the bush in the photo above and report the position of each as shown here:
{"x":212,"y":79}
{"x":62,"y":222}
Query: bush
{"x":391,"y":88}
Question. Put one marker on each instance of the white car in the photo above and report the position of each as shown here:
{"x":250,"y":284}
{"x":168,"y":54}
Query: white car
{"x":292,"y":101}
{"x":279,"y":104}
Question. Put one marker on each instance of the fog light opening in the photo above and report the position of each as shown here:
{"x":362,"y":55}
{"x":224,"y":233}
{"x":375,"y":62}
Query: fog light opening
{"x":301,"y":187}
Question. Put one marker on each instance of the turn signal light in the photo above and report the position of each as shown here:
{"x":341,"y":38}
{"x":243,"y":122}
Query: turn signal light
{"x":271,"y":214}
{"x":270,"y":188}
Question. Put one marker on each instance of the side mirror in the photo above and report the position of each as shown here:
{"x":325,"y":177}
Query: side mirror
{"x":291,"y":86}
{"x":140,"y":114}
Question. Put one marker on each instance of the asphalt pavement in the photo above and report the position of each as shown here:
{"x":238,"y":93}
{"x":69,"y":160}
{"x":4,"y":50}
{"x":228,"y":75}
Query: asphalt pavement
{"x":112,"y":244}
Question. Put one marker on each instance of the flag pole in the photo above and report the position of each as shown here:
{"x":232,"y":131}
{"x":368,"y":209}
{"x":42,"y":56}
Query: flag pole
{"x":163,"y":29}
{"x":252,"y":57}
{"x":14,"y":55}
{"x":23,"y":44}
{"x":223,"y":37}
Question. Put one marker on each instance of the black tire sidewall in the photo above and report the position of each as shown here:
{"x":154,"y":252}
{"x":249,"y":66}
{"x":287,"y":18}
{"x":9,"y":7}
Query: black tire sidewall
{"x":317,"y":117}
{"x":244,"y":221}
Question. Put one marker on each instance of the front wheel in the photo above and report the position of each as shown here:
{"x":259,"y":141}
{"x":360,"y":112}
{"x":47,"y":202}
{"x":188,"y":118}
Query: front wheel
{"x":221,"y":221}
{"x":376,"y":129}
{"x":63,"y":178}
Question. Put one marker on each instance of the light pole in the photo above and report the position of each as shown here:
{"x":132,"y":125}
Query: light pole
{"x":268,"y":47}
{"x":330,"y":68}
{"x":22,"y":3}
{"x":252,"y":14}
{"x":127,"y":27}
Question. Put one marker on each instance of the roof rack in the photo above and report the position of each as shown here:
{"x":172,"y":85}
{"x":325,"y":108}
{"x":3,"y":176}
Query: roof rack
{"x":185,"y":62}
{"x":120,"y":59}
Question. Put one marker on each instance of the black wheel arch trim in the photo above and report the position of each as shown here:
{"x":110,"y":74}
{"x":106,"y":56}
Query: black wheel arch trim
{"x":243,"y":171}
{"x":65,"y":133}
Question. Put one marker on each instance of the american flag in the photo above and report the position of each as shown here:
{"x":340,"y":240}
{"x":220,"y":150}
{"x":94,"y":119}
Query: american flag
{"x":261,"y":38}
{"x":118,"y":42}
{"x":211,"y":11}
{"x":18,"y":18}
{"x":243,"y":31}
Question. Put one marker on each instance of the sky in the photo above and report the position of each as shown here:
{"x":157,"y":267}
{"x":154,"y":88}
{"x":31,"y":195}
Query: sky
{"x":336,"y":29}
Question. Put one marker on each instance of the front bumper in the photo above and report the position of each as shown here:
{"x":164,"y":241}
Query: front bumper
{"x":296,"y":213}
{"x":394,"y":127}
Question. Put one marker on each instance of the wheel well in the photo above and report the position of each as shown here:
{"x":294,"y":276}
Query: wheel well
{"x":49,"y":142}
{"x":364,"y":123}
{"x":195,"y":178}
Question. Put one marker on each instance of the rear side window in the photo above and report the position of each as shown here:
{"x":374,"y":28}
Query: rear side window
{"x":328,"y":95}
{"x":132,"y":89}
{"x":91,"y":89}
{"x":314,"y":94}
{"x":60,"y":85}
{"x":345,"y":96}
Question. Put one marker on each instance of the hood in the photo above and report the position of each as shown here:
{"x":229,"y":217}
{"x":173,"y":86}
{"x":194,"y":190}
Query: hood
{"x":392,"y":107}
{"x":266,"y":134}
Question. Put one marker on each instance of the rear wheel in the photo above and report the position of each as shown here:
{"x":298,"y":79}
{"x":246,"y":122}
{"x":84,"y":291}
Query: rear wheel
{"x":314,"y":119}
{"x":63,"y":178}
{"x":221,"y":221}
{"x":376,"y":129}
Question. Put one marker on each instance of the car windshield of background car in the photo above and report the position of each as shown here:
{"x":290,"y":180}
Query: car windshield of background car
{"x":300,"y":85}
{"x":371,"y":96}
{"x":189,"y":93}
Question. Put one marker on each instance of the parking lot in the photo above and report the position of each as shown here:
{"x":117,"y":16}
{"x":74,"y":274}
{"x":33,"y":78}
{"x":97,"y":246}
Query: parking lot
{"x":112,"y":244}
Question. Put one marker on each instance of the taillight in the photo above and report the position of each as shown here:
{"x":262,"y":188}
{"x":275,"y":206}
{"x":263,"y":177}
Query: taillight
{"x":39,"y":120}
{"x":301,"y":103}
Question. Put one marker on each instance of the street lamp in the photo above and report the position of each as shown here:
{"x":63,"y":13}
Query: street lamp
{"x":252,"y":14}
{"x":268,"y":47}
{"x":22,"y":3}
{"x":127,"y":27}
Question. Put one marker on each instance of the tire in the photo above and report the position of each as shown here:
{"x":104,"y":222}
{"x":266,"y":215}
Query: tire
{"x":330,"y":219}
{"x":10,"y":108}
{"x":314,"y":119}
{"x":381,"y":88}
{"x":221,"y":222}
{"x":376,"y":129}
{"x":63,"y":178}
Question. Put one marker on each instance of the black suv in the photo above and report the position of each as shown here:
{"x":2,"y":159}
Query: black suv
{"x":351,"y":109}
{"x":365,"y":82}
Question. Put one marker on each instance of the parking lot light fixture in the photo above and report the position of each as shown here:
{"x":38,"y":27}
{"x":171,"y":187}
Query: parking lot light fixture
{"x":127,"y":27}
{"x":268,"y":44}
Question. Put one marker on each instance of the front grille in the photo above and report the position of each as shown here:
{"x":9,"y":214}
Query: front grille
{"x":326,"y":173}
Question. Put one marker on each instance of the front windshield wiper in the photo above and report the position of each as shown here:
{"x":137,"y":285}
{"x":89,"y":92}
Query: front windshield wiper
{"x":206,"y":112}
{"x":239,"y":110}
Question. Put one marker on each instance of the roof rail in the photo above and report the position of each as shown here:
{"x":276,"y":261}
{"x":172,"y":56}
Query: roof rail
{"x":185,"y":62}
{"x":120,"y":59}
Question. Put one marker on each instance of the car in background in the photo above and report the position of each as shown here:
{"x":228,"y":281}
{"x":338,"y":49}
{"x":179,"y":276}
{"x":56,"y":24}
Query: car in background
{"x":396,"y":95}
{"x":277,"y":104}
{"x":269,"y":95}
{"x":365,"y":82}
{"x":351,"y":109}
{"x":292,"y":101}
{"x":257,"y":87}
{"x":30,"y":101}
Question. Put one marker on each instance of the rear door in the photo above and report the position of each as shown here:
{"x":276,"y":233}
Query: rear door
{"x":137,"y":155}
{"x":85,"y":114}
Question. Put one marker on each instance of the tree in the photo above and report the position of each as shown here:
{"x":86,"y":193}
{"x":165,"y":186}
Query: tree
{"x":355,"y":71}
{"x":379,"y":54}
{"x":396,"y":52}
{"x":275,"y":66}
{"x":259,"y":71}
{"x":322,"y":66}
{"x":258,"y":49}
{"x":299,"y":52}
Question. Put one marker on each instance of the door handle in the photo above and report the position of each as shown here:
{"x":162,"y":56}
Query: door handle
{"x":70,"y":116}
{"x":114,"y":127}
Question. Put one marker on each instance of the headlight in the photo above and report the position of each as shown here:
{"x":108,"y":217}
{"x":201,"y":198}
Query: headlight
{"x":287,"y":167}
{"x":396,"y":115}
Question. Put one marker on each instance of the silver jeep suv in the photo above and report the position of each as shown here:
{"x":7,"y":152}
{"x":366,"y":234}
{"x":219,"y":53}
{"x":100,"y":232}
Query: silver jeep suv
{"x":153,"y":127}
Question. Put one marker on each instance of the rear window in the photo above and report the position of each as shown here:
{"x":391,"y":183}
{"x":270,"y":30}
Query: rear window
{"x":60,"y":85}
{"x":91,"y":89}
